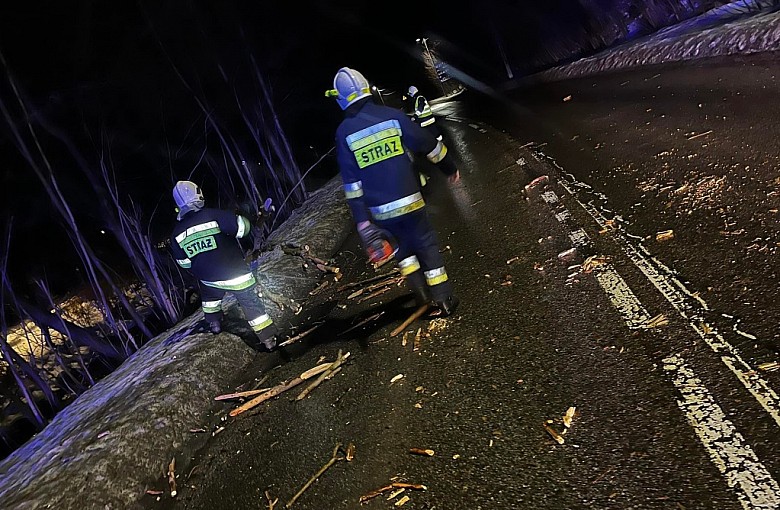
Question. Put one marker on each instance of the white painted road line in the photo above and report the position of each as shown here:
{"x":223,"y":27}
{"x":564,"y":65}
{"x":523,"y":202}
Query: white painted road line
{"x":726,"y":447}
{"x":675,"y":293}
{"x":623,"y":299}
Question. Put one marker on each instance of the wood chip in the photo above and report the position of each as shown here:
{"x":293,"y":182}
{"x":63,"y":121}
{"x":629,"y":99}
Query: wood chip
{"x":665,"y":235}
{"x":422,"y":451}
{"x":769,"y":367}
{"x":395,"y":494}
{"x":172,"y":477}
{"x":350,"y":453}
{"x":554,"y":434}
{"x":402,"y":501}
{"x":395,"y":485}
{"x":569,"y":416}
{"x":396,"y":378}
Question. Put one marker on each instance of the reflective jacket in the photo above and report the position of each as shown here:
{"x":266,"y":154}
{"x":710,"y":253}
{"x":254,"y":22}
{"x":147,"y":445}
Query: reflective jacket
{"x":422,"y":111}
{"x":204,"y":241}
{"x":372,"y":144}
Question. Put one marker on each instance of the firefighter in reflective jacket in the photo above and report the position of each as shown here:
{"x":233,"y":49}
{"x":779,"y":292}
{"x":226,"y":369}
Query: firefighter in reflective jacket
{"x":423,"y":114}
{"x":381,"y":185}
{"x":205,"y":242}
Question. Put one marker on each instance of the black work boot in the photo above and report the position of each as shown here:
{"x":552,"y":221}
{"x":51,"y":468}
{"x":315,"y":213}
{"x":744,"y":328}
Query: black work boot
{"x":215,"y":326}
{"x":447,"y":306}
{"x":266,"y":338}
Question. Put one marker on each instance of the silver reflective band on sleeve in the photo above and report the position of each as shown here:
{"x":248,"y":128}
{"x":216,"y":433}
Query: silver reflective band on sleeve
{"x":196,"y":229}
{"x":428,"y":122}
{"x":239,"y":283}
{"x":185,"y":263}
{"x":409,"y":265}
{"x":243,"y":227}
{"x":261,"y":322}
{"x":398,"y":207}
{"x":436,"y":276}
{"x":353,"y":189}
{"x":212,"y":306}
{"x":438,"y":153}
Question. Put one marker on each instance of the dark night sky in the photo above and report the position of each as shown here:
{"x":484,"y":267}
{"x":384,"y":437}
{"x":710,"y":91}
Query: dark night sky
{"x":105,"y":74}
{"x":109,"y":75}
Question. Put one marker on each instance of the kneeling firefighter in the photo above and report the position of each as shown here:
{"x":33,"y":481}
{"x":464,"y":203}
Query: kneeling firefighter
{"x":205,"y":242}
{"x":382,"y":189}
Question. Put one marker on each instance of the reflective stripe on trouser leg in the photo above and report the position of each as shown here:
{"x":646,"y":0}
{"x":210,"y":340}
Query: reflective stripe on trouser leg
{"x":436,"y":276}
{"x":212,"y":306}
{"x":409,"y":265}
{"x":211,"y":300}
{"x":260,"y":322}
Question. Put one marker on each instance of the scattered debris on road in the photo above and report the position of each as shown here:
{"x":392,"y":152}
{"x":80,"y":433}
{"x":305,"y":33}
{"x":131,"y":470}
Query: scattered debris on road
{"x":566,"y":421}
{"x":395,"y":485}
{"x":396,"y":378}
{"x":658,"y":321}
{"x":416,"y":315}
{"x":422,"y":451}
{"x":769,"y":367}
{"x":333,"y":459}
{"x":271,"y":502}
{"x":172,"y":477}
{"x":665,"y":235}
{"x":326,"y":369}
{"x":329,"y":372}
{"x":350,"y":453}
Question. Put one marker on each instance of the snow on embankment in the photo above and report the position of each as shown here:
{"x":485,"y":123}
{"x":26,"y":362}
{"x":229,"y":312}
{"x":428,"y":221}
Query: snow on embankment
{"x":760,"y":33}
{"x":104,"y":449}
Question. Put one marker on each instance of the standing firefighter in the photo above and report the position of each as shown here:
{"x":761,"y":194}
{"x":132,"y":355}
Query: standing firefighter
{"x":380,"y":185}
{"x":422,"y":113}
{"x":205,"y":242}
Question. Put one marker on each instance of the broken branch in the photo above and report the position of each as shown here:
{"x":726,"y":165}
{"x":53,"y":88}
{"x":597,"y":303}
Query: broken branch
{"x":172,"y":477}
{"x":327,"y":373}
{"x":386,"y":488}
{"x":361,"y":323}
{"x":416,"y":315}
{"x":333,"y":459}
{"x":273,"y":392}
{"x":299,"y":336}
{"x":240,"y":394}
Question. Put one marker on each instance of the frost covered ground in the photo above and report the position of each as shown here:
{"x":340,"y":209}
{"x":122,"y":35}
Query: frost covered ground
{"x":103,"y":450}
{"x":751,"y":34}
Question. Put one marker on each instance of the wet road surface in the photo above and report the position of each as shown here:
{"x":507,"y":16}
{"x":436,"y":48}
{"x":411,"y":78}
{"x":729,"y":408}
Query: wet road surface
{"x":674,"y":416}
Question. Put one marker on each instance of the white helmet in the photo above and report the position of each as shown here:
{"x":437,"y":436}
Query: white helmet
{"x":413,"y":91}
{"x":188,"y":197}
{"x":349,"y":86}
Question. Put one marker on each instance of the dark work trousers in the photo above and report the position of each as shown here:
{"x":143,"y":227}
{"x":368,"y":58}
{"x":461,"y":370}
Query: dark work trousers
{"x":250,"y":302}
{"x":418,"y":254}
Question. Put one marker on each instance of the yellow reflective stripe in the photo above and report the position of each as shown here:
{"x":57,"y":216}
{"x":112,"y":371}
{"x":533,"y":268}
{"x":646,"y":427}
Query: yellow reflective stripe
{"x":357,"y":93}
{"x":436,"y":276}
{"x":185,"y":263}
{"x":261,"y":322}
{"x":409,"y":265}
{"x":239,"y":283}
{"x":212,"y":306}
{"x":196,"y":229}
{"x":369,"y":135}
{"x":400,"y":211}
{"x":368,"y":140}
{"x":243,"y":227}
{"x":428,"y":122}
{"x":438,"y":153}
{"x":353,"y":189}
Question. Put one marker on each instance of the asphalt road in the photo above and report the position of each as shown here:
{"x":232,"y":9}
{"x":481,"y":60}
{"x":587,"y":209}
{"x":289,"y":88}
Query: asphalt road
{"x":676,"y":415}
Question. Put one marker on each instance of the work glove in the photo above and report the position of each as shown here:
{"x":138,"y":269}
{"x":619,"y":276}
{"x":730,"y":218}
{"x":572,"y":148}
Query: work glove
{"x":378,"y":243}
{"x":246,"y":210}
